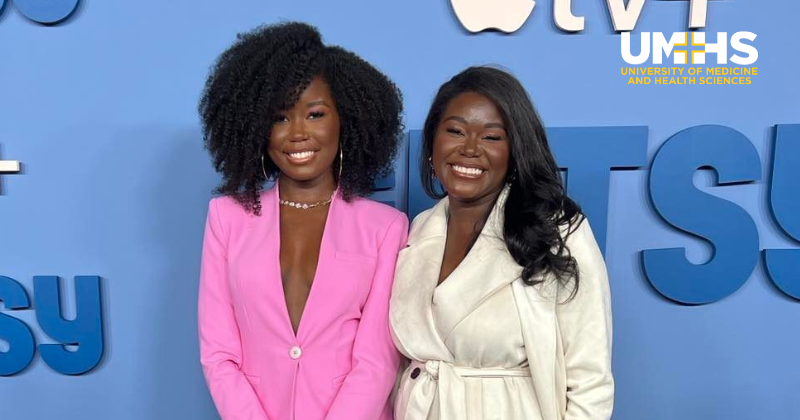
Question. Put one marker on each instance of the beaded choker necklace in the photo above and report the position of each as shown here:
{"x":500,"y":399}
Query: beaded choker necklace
{"x":306,"y":206}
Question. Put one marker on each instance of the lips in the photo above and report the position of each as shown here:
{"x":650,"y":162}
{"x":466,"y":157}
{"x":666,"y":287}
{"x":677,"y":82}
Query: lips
{"x":301,"y":156}
{"x":471,"y":172}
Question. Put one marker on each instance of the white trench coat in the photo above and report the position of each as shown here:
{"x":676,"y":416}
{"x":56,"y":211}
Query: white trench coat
{"x":485,"y":346}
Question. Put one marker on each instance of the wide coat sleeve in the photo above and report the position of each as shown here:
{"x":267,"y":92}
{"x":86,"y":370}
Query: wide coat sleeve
{"x":585,"y":330}
{"x":365,"y":391}
{"x":220,"y":342}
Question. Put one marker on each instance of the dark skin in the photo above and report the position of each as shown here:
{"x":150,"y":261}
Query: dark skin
{"x":471,"y":154}
{"x":304,"y":142}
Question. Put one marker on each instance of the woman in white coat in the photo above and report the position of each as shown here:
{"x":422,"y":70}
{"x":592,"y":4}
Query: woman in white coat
{"x":501,"y":298}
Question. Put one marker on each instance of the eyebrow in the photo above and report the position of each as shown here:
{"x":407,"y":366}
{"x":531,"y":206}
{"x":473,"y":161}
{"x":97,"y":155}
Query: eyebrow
{"x":314,"y":103}
{"x":487,"y":125}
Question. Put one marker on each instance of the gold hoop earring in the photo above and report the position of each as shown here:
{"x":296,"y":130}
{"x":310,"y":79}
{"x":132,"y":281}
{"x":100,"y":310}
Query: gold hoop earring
{"x":341,"y":163}
{"x":264,"y":170}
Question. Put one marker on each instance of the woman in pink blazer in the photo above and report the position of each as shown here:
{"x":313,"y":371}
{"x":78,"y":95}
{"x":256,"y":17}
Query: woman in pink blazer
{"x":295,"y":279}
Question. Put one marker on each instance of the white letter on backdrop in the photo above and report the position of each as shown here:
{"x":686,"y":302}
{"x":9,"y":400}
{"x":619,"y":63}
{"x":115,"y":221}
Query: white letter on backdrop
{"x":626,"y":48}
{"x":624,"y":19}
{"x":565,"y":20}
{"x":751,"y":51}
{"x":697,"y":13}
{"x":660,"y":45}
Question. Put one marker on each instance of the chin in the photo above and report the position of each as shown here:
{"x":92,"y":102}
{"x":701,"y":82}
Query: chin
{"x":470,"y":191}
{"x":303,"y":174}
{"x":464,"y":192}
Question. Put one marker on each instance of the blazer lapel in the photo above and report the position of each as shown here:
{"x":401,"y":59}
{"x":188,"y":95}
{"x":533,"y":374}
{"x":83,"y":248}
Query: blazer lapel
{"x":325,"y":277}
{"x":266,"y":265}
{"x":260,"y":273}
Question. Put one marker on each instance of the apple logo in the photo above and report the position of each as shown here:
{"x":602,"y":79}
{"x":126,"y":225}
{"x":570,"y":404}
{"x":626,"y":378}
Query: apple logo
{"x":504,"y":15}
{"x":47,"y":12}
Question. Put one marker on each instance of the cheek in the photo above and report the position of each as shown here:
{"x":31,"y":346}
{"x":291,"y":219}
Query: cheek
{"x":443,"y":146}
{"x":499,"y":157}
{"x":276,"y":135}
{"x":332,"y":126}
{"x":328,"y":135}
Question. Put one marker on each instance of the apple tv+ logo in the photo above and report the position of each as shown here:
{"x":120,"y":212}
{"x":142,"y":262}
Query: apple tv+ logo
{"x":46,"y":12}
{"x":505,"y":15}
{"x":509,"y":15}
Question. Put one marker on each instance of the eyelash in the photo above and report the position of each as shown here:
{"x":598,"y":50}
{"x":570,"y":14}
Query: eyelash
{"x":458,"y":132}
{"x":314,"y":115}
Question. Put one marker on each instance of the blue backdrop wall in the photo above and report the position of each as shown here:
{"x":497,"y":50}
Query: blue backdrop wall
{"x":101,"y":111}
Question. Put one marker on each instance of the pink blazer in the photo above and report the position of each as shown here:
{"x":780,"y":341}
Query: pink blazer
{"x":342,"y":363}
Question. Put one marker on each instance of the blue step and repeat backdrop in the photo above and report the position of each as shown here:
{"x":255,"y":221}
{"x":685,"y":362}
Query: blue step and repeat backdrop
{"x":678,"y":131}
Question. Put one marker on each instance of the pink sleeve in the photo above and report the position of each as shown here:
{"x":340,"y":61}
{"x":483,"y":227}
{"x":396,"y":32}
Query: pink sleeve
{"x":220,"y":344}
{"x":365,"y":392}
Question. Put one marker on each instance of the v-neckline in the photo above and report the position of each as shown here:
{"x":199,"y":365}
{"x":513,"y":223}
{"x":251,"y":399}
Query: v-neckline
{"x":322,"y":249}
{"x":468,"y":255}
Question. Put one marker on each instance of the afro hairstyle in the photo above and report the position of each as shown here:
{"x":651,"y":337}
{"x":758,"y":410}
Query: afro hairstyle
{"x":263,"y":73}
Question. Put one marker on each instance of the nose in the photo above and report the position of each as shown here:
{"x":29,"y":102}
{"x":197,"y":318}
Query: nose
{"x":470,"y":147}
{"x":298,"y":130}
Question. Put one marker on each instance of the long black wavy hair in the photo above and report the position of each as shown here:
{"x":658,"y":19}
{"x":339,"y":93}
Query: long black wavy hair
{"x":263,"y":73}
{"x":537,"y":207}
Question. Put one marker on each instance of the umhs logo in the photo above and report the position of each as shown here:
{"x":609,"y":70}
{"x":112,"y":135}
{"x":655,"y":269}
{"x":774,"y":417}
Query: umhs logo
{"x":690,"y":49}
{"x":504,"y":15}
{"x":47,"y":12}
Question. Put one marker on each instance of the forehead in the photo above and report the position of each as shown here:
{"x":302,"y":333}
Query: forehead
{"x":473,"y":107}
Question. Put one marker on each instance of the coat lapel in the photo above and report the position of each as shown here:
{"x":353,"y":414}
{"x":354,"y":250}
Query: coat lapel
{"x":537,"y":315}
{"x":418,"y":266}
{"x":487,"y":268}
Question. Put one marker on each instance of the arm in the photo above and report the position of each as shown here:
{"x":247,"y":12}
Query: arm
{"x":220,"y":344}
{"x":585,"y":325}
{"x":365,"y":391}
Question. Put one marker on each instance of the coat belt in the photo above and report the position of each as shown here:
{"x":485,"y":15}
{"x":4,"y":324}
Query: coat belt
{"x":451,"y":388}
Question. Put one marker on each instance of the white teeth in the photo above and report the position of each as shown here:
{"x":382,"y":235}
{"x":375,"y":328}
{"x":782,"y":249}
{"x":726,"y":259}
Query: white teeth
{"x":301,"y":155}
{"x":467,"y":171}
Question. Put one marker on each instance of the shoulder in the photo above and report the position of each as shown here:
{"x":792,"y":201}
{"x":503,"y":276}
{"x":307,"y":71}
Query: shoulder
{"x":367,"y":225}
{"x":373,"y":212}
{"x":591,"y":265}
{"x":226,"y":212}
{"x":419,"y":221}
{"x":423,"y":217}
{"x":581,"y":242}
{"x":431,"y":222}
{"x":376,"y":216}
{"x":226,"y":206}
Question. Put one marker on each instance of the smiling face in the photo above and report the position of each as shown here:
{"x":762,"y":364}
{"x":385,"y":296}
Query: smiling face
{"x":471,"y":149}
{"x":304,"y":140}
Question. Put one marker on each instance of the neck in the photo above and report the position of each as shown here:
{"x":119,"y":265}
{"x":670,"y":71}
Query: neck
{"x":470,"y":216}
{"x":317,"y":189}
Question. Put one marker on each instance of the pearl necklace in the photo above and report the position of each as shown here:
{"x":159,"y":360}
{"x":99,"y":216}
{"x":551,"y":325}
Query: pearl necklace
{"x":306,"y":206}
